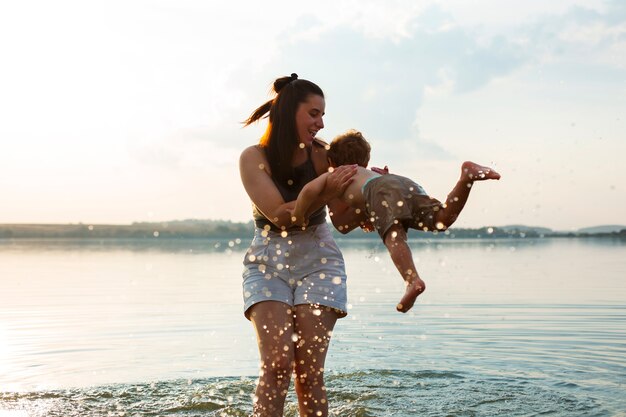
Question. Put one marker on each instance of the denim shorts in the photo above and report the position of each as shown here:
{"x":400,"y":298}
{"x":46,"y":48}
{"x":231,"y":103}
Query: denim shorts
{"x":295,"y":267}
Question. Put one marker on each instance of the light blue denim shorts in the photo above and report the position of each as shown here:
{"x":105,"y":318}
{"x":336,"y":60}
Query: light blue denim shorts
{"x":295,"y":267}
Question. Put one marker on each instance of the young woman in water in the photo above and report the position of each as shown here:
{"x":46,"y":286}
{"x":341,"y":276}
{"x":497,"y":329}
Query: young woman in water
{"x":294,"y":281}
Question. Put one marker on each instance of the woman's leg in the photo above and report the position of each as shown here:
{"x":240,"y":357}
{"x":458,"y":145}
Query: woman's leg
{"x":273,"y":323}
{"x":313,"y":330}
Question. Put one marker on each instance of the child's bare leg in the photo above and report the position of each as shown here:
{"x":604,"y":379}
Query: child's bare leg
{"x":395,"y":241}
{"x":470,"y":172}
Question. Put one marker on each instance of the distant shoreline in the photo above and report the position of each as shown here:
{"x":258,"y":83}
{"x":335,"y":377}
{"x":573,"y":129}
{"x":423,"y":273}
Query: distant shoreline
{"x":218,"y":229}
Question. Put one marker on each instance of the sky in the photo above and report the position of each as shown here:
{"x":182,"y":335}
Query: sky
{"x":124,"y":111}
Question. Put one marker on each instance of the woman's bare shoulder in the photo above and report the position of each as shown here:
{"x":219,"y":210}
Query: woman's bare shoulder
{"x":251,"y":154}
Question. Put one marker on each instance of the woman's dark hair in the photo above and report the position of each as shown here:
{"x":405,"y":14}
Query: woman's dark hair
{"x":350,"y":148}
{"x":280,"y":140}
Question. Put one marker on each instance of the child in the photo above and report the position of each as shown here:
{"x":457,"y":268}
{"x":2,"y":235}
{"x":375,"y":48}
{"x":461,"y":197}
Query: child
{"x":392,"y":204}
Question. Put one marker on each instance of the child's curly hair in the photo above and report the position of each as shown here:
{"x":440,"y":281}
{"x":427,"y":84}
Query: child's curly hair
{"x":349,"y":148}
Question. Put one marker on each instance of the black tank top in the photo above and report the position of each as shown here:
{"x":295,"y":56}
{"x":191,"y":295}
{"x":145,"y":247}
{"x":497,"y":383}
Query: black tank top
{"x":303,"y":174}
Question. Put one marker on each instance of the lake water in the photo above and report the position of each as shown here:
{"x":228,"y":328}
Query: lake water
{"x":505,"y":328}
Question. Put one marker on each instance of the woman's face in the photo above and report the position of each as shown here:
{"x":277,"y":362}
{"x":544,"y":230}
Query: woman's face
{"x":309,"y":118}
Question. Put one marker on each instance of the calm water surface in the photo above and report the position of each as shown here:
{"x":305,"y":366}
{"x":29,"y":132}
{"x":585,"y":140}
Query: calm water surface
{"x":507,"y":327}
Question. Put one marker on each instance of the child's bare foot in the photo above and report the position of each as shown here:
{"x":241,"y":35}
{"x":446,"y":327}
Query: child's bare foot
{"x":475,"y":172}
{"x":413,"y":289}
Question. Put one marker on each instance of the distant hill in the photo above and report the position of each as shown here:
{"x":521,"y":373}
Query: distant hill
{"x":522,"y":228}
{"x":603,"y":229}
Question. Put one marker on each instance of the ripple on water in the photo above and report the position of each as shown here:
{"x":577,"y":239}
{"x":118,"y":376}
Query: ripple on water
{"x":356,"y":394}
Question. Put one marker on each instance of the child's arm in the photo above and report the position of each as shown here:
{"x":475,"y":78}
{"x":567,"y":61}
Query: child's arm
{"x":309,"y":194}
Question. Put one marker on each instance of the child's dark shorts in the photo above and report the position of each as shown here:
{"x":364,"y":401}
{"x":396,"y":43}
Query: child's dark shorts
{"x":391,"y":199}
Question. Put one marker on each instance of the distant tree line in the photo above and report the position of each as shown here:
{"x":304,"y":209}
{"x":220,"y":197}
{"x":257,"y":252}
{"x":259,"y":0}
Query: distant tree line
{"x":180,"y":229}
{"x":221,"y":229}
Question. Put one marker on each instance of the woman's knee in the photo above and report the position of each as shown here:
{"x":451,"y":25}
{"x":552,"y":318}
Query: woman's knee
{"x":279,"y":366}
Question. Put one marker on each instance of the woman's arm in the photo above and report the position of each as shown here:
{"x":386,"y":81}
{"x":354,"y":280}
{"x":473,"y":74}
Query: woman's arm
{"x":307,"y":199}
{"x":256,"y":179}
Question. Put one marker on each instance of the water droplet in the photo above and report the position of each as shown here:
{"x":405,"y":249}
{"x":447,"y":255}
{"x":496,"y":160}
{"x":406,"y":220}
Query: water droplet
{"x":156,"y":233}
{"x":400,"y":203}
{"x":261,"y":166}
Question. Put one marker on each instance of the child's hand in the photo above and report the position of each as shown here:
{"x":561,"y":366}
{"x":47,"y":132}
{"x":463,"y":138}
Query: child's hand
{"x":297,"y":218}
{"x":292,"y":215}
{"x":367,"y":226}
{"x":381,"y":171}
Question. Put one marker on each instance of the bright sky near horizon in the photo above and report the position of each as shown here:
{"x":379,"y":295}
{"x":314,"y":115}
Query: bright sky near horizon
{"x":122,"y":111}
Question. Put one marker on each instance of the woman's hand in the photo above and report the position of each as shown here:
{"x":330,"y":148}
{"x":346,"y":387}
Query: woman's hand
{"x":338,"y":180}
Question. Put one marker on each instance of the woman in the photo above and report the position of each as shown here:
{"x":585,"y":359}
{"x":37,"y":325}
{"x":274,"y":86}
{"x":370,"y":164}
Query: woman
{"x":294,"y":280}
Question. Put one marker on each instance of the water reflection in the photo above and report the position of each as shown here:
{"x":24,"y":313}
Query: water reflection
{"x":76,"y":314}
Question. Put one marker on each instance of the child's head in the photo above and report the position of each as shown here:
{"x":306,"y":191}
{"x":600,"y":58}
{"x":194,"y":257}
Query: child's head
{"x":349,"y":148}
